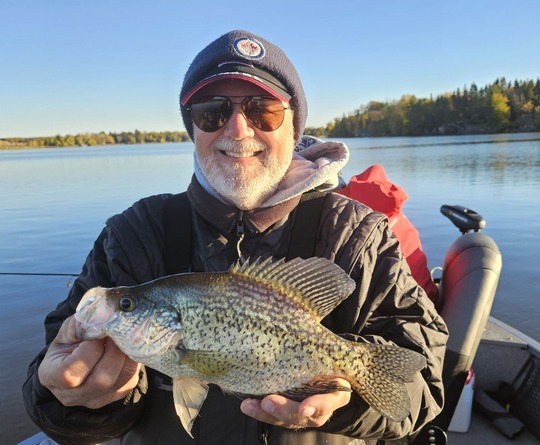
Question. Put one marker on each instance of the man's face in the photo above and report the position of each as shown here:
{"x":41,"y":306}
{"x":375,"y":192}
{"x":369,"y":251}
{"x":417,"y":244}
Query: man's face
{"x":242,"y":163}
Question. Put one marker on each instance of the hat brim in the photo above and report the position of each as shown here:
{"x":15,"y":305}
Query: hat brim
{"x":267,"y":85}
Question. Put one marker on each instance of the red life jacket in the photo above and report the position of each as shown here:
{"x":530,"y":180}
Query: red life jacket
{"x":373,"y":189}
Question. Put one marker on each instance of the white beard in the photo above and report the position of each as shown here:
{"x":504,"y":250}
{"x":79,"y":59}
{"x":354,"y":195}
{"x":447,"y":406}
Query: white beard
{"x":245,"y":187}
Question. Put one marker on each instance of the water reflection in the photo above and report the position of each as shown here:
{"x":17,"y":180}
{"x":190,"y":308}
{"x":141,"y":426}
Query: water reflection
{"x":475,"y":160}
{"x":53,"y":203}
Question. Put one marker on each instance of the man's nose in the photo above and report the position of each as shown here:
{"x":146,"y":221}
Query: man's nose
{"x":238,"y":127}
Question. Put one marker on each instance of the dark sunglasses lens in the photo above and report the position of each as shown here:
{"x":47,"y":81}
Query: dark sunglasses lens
{"x":266,"y":113}
{"x":211,"y":113}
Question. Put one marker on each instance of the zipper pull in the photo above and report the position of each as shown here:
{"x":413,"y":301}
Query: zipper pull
{"x":240,"y":232}
{"x":264,"y":433}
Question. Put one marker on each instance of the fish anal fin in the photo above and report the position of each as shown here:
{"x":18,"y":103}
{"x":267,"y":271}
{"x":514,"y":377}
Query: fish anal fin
{"x":320,"y":385}
{"x":318,"y":284}
{"x":189,"y":396}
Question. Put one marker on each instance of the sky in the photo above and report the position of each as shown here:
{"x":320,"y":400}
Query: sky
{"x":78,"y":66}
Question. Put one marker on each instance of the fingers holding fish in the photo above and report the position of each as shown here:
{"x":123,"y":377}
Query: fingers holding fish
{"x":68,"y":361}
{"x":319,"y":408}
{"x":114,"y":375}
{"x":88,"y":373}
{"x":108,"y":371}
{"x":276,"y":410}
{"x":313,"y":412}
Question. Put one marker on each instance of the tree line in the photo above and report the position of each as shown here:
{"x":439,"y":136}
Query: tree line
{"x":93,"y":139}
{"x":500,"y":107}
{"x":496,"y":108}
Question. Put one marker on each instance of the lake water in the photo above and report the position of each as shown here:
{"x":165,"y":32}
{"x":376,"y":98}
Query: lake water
{"x":53,"y":203}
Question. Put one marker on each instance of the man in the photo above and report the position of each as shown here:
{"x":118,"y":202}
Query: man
{"x":243,"y":105}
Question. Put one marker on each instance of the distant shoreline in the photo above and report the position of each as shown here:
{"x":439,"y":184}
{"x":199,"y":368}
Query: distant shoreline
{"x":95,"y":139}
{"x":37,"y":147}
{"x":32,"y":143}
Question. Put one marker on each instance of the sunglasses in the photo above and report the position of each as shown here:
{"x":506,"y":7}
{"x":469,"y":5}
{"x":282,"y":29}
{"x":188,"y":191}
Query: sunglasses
{"x":210,"y":113}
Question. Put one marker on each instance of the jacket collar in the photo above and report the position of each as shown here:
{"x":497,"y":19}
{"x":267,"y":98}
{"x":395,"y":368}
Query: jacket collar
{"x":224,"y":217}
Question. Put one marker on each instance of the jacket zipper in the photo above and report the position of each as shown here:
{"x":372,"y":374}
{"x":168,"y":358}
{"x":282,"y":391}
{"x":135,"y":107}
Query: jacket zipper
{"x":240,"y":233}
{"x":264,"y":430}
{"x":264,"y":435}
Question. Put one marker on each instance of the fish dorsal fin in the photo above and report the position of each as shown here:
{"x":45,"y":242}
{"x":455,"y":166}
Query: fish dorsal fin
{"x":316,"y":283}
{"x":189,"y":396}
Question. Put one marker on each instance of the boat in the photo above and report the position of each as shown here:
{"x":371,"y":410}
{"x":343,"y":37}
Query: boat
{"x":491,"y":370}
{"x":505,"y":356}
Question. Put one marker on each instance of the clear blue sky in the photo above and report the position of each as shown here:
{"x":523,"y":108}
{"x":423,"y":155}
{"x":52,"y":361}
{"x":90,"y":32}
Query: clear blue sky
{"x":75,"y":66}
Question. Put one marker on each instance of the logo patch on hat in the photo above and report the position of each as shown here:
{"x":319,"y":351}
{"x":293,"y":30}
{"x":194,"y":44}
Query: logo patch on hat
{"x":249,"y":48}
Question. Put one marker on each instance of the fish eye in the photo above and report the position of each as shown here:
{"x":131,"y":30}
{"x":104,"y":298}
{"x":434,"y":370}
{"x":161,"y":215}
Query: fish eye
{"x":127,"y":303}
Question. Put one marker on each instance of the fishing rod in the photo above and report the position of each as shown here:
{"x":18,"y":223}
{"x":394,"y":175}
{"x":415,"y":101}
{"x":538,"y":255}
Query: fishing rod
{"x":40,"y":274}
{"x":70,"y":276}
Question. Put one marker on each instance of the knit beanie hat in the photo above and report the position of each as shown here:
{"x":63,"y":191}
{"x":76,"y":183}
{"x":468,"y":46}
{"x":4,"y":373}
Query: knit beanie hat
{"x":245,"y":56}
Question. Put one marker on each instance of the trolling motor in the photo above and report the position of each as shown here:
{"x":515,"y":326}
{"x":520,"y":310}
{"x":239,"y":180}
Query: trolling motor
{"x":471,"y":268}
{"x":463,"y":218}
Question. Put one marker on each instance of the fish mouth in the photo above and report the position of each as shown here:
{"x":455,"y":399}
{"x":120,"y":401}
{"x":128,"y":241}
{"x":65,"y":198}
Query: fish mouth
{"x":93,"y":313}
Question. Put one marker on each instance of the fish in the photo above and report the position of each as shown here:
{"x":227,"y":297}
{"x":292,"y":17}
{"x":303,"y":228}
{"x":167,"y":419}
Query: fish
{"x":253,"y":330}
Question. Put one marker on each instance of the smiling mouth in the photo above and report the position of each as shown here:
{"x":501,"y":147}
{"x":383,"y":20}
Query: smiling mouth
{"x":242,"y":154}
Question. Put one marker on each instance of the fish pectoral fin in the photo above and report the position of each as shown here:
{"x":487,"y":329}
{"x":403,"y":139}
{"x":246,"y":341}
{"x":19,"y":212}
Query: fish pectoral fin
{"x":208,"y":363}
{"x":189,"y":396}
{"x":320,"y":385}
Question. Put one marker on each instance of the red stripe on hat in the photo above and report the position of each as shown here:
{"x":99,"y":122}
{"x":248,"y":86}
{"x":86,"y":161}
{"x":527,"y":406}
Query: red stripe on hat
{"x":239,"y":76}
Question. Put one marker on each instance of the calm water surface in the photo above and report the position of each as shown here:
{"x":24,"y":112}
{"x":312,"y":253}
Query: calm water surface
{"x":53,"y":203}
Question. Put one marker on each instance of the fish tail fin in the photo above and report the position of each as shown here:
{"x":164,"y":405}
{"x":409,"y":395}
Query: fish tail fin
{"x":381,"y":373}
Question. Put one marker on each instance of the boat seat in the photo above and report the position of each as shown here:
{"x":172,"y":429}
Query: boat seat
{"x":470,"y":275}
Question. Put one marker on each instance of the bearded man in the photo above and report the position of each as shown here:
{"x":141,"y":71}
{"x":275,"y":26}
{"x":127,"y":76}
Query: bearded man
{"x":244,"y":107}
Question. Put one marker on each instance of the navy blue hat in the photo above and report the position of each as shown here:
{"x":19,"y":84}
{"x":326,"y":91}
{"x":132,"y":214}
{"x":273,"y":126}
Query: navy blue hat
{"x":243,"y":55}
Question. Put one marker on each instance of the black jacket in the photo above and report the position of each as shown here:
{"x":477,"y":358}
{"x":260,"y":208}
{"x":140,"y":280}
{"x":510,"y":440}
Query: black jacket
{"x":387,"y":307}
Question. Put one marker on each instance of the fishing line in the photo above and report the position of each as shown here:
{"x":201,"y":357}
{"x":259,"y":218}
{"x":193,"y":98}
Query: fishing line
{"x":39,"y":274}
{"x":69,"y":283}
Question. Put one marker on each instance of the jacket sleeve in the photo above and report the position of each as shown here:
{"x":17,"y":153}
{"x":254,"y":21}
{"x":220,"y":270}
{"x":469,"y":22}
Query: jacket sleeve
{"x":387,"y":307}
{"x":106,"y":265}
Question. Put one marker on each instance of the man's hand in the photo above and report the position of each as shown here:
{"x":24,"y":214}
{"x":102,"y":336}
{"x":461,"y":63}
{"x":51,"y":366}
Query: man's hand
{"x":90,"y":373}
{"x":314,"y":411}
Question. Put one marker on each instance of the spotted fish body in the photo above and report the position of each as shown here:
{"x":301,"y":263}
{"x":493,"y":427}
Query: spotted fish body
{"x":254,"y":330}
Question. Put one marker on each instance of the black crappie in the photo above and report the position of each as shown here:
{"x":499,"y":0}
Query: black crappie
{"x":253,"y":330}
